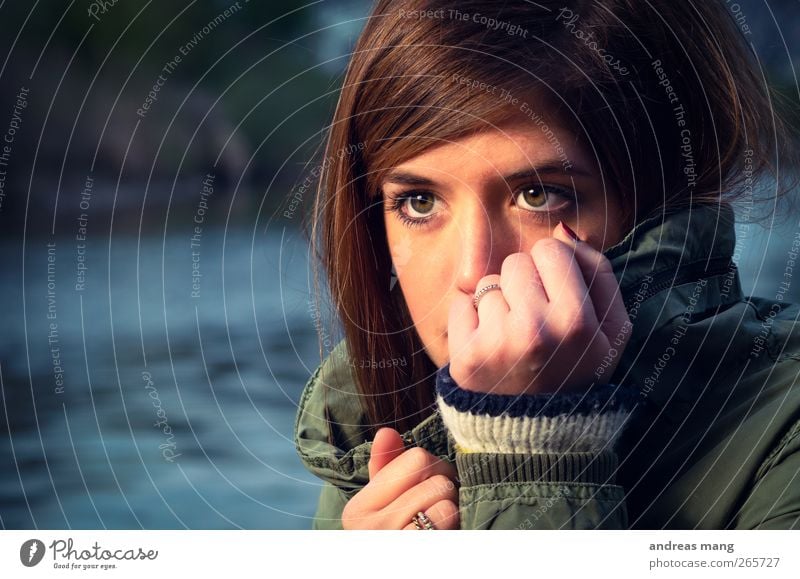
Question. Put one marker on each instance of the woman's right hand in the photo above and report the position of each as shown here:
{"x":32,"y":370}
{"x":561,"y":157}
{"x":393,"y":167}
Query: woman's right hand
{"x":402,"y":483}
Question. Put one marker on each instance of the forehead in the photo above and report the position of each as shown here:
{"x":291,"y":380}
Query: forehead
{"x":503,"y":148}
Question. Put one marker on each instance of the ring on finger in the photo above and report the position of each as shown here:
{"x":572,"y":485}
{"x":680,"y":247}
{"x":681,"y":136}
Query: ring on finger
{"x":423,"y":522}
{"x":483,"y":291}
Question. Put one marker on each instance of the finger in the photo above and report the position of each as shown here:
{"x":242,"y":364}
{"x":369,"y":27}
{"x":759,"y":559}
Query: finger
{"x":603,"y":285}
{"x":444,"y":515}
{"x":462,"y":322}
{"x":492,"y":305}
{"x":404,"y":472}
{"x":492,"y":312}
{"x":387,"y":445}
{"x":564,"y":284}
{"x":420,"y":498}
{"x":466,"y":324}
{"x":522,"y":287}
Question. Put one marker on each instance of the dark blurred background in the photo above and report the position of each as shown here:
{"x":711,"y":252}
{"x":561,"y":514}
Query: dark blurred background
{"x":157,"y":319}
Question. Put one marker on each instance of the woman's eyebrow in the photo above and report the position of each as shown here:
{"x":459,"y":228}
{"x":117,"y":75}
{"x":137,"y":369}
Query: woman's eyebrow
{"x":546,"y":168}
{"x":405,"y":178}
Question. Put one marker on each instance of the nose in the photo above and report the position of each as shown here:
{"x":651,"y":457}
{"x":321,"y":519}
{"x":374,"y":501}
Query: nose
{"x":484,"y":243}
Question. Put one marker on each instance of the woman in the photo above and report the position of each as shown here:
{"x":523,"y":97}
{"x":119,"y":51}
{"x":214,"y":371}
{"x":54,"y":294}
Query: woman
{"x":525,"y":220}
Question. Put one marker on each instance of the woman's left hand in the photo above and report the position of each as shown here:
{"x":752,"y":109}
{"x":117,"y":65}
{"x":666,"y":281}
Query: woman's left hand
{"x":544,"y":330}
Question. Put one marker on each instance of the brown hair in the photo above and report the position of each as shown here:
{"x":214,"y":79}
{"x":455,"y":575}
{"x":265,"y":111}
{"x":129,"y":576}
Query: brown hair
{"x":666,"y":94}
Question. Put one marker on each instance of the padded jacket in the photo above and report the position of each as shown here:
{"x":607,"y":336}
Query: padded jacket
{"x":711,"y":442}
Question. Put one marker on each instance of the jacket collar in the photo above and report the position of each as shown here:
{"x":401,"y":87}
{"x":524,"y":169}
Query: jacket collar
{"x":672,"y":268}
{"x":666,"y":256}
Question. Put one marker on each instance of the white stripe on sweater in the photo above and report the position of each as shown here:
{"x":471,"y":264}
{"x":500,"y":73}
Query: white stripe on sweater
{"x":525,"y":435}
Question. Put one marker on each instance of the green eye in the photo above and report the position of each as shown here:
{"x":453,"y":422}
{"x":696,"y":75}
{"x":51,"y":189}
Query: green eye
{"x":413,"y":208}
{"x":543,"y":198}
{"x":420,"y":203}
{"x":534,"y":196}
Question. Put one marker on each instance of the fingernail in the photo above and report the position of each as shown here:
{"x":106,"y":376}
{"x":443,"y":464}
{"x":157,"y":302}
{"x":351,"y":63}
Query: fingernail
{"x":569,"y":231}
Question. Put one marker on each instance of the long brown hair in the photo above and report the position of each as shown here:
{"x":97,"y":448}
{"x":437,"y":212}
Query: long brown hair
{"x":631,"y":79}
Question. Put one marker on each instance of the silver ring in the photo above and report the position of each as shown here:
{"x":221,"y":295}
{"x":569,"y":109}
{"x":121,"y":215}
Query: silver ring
{"x":422,"y":522}
{"x":483,"y":292}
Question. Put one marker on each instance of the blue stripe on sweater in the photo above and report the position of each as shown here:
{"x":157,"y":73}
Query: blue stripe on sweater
{"x":598,"y":399}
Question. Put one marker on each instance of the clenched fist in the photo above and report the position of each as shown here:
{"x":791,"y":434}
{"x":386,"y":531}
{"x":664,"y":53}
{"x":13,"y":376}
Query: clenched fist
{"x":554,"y":322}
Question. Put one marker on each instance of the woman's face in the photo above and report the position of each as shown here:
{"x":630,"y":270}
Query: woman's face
{"x":454,"y":212}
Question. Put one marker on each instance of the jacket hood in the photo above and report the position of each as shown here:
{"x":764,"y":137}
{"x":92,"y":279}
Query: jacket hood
{"x":666,"y":266}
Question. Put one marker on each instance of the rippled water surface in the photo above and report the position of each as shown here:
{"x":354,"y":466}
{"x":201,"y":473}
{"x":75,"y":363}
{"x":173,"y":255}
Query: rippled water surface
{"x":176,"y":409}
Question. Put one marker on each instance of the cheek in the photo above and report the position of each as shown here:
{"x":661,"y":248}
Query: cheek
{"x":424,"y":278}
{"x":418,"y":280}
{"x":402,"y":249}
{"x":604,"y":229}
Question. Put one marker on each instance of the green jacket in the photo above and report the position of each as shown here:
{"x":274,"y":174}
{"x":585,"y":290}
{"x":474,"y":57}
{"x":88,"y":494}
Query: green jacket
{"x":713,"y":442}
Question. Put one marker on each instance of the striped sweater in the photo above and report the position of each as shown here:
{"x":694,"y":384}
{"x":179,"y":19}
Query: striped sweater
{"x":588,"y":421}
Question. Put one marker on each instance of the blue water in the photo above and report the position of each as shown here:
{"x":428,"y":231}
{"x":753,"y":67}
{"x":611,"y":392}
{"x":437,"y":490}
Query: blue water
{"x":225,"y":368}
